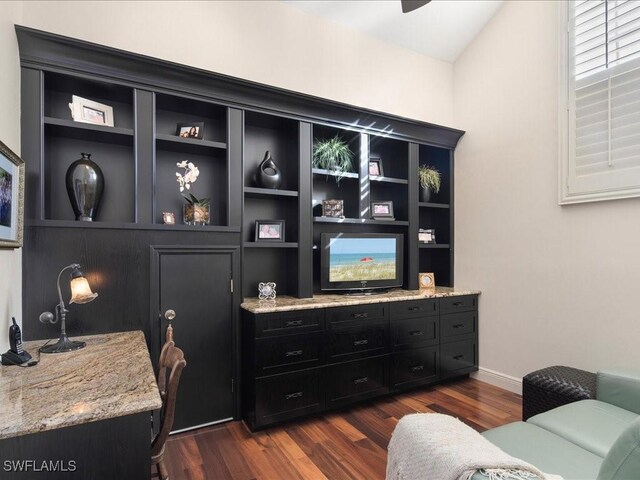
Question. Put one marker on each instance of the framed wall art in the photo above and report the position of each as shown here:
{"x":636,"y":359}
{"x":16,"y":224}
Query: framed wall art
{"x":190,"y":130}
{"x":333,"y":208}
{"x":375,"y":166}
{"x":11,"y":198}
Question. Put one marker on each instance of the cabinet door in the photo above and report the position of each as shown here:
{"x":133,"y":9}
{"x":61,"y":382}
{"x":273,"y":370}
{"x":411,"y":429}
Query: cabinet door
{"x":196,"y":283}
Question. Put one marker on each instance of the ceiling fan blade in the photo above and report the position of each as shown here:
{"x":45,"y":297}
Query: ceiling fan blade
{"x":411,"y":5}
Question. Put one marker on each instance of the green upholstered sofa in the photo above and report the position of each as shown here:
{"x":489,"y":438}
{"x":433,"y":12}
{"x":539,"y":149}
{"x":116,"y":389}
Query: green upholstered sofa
{"x":586,"y":440}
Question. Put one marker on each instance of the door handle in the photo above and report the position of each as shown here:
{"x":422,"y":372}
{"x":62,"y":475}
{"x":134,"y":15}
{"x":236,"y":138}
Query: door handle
{"x":170,"y":314}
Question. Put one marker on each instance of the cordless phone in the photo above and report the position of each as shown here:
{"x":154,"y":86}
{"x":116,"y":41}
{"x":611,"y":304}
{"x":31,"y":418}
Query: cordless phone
{"x":16,"y":354}
{"x":15,"y":338}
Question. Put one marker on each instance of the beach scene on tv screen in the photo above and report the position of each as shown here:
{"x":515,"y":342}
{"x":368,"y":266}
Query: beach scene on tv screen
{"x":356,"y":259}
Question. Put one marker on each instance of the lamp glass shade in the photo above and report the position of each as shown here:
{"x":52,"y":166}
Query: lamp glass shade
{"x":81,"y":291}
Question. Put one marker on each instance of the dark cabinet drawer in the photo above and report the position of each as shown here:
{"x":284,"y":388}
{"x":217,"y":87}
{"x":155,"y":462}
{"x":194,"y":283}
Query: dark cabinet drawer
{"x":455,"y":325}
{"x":460,"y":303}
{"x":458,"y":357}
{"x":414,"y":333}
{"x":281,"y":397}
{"x":414,"y":367}
{"x":360,"y":312}
{"x":285,"y":323}
{"x":274,"y":355}
{"x":357,"y":339}
{"x":414,"y":308}
{"x":354,"y":381}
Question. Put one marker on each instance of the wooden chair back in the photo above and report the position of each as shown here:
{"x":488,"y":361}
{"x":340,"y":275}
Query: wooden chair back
{"x":170,"y":368}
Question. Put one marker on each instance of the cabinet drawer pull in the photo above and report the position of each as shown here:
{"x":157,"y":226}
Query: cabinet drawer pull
{"x":458,"y":357}
{"x":457,"y":304}
{"x":360,"y":342}
{"x":361,"y":380}
{"x":293,"y":323}
{"x":459,"y":325}
{"x":414,"y":309}
{"x":293,"y":395}
{"x":417,"y":368}
{"x":360,"y":315}
{"x":416,"y":333}
{"x":293,"y":353}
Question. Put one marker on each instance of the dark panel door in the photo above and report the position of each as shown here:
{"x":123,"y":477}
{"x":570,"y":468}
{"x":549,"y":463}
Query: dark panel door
{"x":196,"y":284}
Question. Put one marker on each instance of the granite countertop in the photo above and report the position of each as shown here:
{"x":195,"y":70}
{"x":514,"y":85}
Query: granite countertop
{"x":111,"y":377}
{"x":285,"y":303}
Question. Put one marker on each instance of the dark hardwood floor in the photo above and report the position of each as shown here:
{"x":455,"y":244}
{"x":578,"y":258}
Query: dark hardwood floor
{"x":346,"y":444}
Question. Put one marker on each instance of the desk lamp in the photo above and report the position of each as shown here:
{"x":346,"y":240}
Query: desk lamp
{"x":80,"y":293}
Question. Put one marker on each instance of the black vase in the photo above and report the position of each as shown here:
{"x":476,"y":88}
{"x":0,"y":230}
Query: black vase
{"x":85,"y":184}
{"x":268,"y":174}
{"x":425,"y":194}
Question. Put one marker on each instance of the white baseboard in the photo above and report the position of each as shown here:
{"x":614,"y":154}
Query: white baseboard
{"x":498,"y":379}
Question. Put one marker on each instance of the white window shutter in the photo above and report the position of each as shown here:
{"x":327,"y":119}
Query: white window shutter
{"x":603,"y":101}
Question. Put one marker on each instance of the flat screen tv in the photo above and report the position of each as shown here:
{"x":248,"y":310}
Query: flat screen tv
{"x":361,"y":261}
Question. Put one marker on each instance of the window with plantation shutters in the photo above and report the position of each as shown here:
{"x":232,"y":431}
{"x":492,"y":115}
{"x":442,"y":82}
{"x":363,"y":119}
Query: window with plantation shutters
{"x":601,"y":106}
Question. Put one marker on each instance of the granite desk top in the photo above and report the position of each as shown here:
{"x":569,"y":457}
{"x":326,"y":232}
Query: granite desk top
{"x":285,"y":303}
{"x":111,"y":377}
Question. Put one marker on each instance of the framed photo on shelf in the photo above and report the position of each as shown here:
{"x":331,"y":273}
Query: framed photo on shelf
{"x":190,"y":130}
{"x":84,"y":110}
{"x":11,"y":198}
{"x":375,"y":166}
{"x":427,"y":280}
{"x":382,"y":210}
{"x":333,"y":208}
{"x":168,"y":218}
{"x":269,"y":231}
{"x":427,"y":235}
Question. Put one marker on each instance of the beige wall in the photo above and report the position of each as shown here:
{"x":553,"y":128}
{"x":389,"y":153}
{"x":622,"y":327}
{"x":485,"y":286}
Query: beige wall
{"x":560,"y":284}
{"x":267,"y":42}
{"x":10,"y":260}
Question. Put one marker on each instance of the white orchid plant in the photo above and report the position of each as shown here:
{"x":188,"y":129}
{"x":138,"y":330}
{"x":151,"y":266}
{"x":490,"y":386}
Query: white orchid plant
{"x":186,"y":179}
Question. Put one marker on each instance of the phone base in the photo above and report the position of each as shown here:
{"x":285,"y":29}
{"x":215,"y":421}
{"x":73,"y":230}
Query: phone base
{"x":12,"y":358}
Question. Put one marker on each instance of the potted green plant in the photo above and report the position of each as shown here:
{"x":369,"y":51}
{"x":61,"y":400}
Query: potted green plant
{"x":333,"y":155}
{"x":196,"y":210}
{"x":429,"y":178}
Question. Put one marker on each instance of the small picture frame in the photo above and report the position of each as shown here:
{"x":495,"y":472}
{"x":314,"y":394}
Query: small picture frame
{"x":375,"y":166}
{"x":427,"y":235}
{"x":382,"y":210}
{"x":427,"y":280}
{"x":269,"y":231}
{"x":190,"y":130}
{"x":11,"y":198}
{"x":168,"y":218}
{"x":84,"y":110}
{"x":333,"y":208}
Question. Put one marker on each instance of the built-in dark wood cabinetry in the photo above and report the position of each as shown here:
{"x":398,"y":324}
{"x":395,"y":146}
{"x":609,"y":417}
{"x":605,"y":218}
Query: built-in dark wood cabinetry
{"x":307,"y":361}
{"x":243,"y":120}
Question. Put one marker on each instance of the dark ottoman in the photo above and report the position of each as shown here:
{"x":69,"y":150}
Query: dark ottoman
{"x":553,"y":387}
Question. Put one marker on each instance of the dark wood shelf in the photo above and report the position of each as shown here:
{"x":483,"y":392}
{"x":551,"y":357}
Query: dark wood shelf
{"x":360,"y":221}
{"x":376,"y":178}
{"x":319,"y":171}
{"x":129,"y":226}
{"x":270,"y":244}
{"x":87,"y":126}
{"x":267,"y":192}
{"x":433,"y":205}
{"x":161,"y":137}
{"x":434,"y":245}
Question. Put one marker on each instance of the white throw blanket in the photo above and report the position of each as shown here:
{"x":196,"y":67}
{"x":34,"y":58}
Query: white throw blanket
{"x":432,"y":446}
